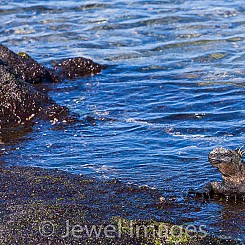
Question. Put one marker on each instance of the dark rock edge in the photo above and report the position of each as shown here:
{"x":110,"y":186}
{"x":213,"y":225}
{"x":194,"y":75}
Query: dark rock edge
{"x":31,"y":196}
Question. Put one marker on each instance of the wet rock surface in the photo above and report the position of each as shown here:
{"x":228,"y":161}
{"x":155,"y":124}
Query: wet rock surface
{"x":20,"y":101}
{"x":76,"y":67}
{"x":29,"y":70}
{"x":53,"y":207}
{"x":24,"y":66}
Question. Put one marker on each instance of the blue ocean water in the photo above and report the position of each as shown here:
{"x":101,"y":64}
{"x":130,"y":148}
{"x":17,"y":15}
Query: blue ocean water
{"x":173,"y":91}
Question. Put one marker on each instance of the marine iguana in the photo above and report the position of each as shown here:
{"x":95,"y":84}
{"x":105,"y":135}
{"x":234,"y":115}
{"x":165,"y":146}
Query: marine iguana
{"x":232,"y":168}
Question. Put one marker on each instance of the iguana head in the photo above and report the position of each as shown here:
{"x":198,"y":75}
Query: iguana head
{"x":228,"y":162}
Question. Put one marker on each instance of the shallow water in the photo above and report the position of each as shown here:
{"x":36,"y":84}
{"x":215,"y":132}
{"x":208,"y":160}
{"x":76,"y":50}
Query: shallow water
{"x":174,"y":91}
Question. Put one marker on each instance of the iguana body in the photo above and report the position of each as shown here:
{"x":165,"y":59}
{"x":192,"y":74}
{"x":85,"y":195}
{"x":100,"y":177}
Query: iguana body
{"x":232,"y":168}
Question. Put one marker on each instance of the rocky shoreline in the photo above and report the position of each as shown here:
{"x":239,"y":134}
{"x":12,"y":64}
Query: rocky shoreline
{"x":41,"y":206}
